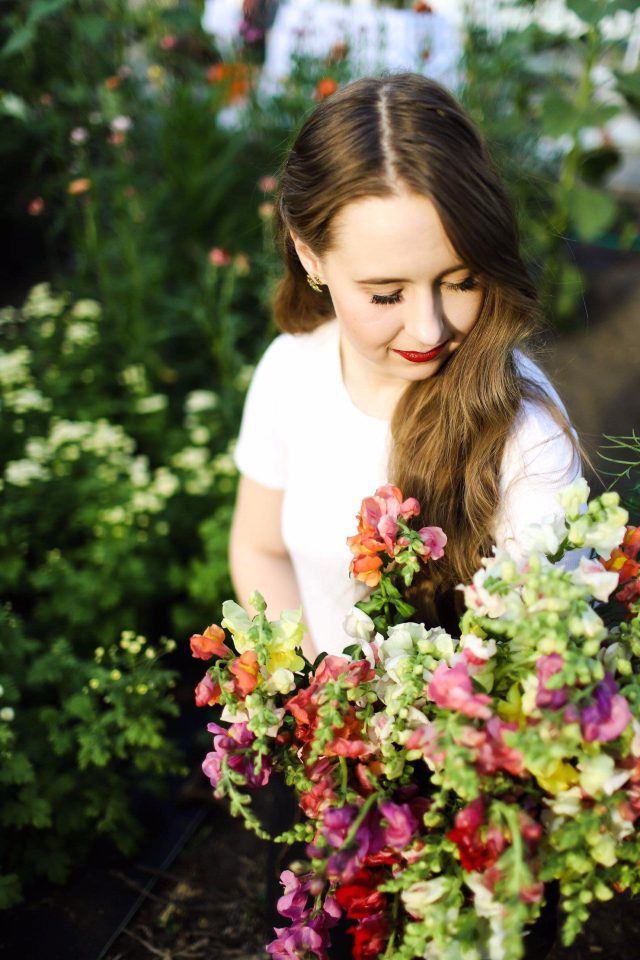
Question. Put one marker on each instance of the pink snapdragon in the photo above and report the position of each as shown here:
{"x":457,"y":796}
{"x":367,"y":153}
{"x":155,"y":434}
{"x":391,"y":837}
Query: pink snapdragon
{"x":233,"y":746}
{"x":546,"y":667}
{"x":609,"y":716}
{"x":452,"y":689}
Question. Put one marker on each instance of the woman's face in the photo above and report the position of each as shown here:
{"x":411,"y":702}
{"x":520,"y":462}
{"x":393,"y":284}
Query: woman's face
{"x":403,"y":299}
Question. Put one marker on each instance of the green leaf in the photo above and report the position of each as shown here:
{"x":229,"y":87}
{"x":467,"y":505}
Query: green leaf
{"x":629,"y":87}
{"x":10,"y":890}
{"x":17,"y":41}
{"x":596,"y":164}
{"x":591,"y":211}
{"x":558,"y":115}
{"x":92,"y":28}
{"x":589,"y":11}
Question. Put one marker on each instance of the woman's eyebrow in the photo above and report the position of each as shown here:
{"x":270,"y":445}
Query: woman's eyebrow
{"x":374,"y":281}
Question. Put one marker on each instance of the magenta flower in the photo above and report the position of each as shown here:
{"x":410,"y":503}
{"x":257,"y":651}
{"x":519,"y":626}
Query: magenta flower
{"x":451,"y":688}
{"x":546,"y":667}
{"x":234,"y":746}
{"x":298,"y":943}
{"x":293,"y":903}
{"x":608,"y":716}
{"x":401,"y":824}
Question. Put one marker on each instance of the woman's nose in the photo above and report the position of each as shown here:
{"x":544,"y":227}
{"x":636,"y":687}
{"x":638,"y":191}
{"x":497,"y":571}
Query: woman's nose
{"x":425,"y":320}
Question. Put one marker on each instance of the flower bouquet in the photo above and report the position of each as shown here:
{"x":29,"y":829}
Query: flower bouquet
{"x":444,"y":781}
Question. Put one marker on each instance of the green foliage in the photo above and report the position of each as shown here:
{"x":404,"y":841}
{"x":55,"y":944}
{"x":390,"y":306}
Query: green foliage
{"x":543,"y":100}
{"x":76,"y":732}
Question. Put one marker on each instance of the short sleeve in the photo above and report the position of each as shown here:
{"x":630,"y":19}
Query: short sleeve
{"x":260,"y":451}
{"x":539,"y":461}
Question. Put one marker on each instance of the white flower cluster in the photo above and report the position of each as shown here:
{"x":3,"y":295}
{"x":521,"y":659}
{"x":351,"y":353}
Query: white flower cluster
{"x":41,"y":304}
{"x":201,"y":472}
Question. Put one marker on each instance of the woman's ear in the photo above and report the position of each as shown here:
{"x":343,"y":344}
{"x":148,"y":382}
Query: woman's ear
{"x":307,"y":257}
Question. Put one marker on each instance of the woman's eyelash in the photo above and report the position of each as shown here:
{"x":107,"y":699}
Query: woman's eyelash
{"x":470,"y":283}
{"x":392,"y":298}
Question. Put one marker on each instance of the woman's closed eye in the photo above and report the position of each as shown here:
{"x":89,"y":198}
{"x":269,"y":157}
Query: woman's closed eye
{"x":470,"y":283}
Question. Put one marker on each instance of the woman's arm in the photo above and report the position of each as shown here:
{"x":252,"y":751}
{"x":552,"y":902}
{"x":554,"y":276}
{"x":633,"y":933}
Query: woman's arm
{"x":258,"y":557}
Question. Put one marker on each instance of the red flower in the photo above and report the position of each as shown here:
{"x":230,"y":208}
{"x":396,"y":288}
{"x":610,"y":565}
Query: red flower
{"x":476,"y":853}
{"x":209,"y":644}
{"x":361,"y":898}
{"x":325,"y":87}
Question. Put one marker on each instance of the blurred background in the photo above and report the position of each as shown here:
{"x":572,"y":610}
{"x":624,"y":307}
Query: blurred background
{"x":139,"y":140}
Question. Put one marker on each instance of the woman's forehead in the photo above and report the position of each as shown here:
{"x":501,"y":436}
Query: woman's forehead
{"x":375,"y":233}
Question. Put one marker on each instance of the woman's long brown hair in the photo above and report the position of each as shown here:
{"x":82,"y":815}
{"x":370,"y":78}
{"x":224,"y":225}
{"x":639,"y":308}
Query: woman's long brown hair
{"x":376,"y":137}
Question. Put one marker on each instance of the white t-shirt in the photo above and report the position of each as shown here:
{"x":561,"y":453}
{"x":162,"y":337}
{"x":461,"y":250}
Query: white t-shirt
{"x":302,"y":433}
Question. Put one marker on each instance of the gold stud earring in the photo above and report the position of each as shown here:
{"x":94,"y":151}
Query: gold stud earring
{"x":315,"y":283}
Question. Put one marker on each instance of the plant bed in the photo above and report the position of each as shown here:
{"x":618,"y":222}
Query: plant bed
{"x":210,"y":904}
{"x":78,"y":921}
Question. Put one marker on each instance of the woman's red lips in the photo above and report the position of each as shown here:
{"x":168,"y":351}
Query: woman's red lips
{"x":416,"y":357}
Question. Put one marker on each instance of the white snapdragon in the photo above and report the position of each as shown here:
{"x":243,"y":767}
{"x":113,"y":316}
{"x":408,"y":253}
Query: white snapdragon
{"x":419,"y":897}
{"x":544,"y":537}
{"x":598,"y":774}
{"x":280,"y":681}
{"x":478,"y":648}
{"x":401,"y":640}
{"x":600,"y":581}
{"x":574,"y":497}
{"x":358,"y":624}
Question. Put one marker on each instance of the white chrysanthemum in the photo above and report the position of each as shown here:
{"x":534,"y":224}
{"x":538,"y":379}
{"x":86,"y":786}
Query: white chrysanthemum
{"x":199,"y":400}
{"x":190,"y":458}
{"x":154,"y":403}
{"x":165,"y":483}
{"x":28,"y":398}
{"x":86,"y":310}
{"x":21,"y":473}
{"x":14,"y":367}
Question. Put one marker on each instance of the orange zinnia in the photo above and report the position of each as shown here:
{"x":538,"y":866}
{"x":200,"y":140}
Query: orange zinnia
{"x":325,"y":87}
{"x":81,"y":185}
{"x":236,"y":76}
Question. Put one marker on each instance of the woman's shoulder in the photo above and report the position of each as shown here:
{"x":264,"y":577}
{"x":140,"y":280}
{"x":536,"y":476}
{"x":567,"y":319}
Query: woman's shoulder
{"x":539,"y":443}
{"x":296,"y":348}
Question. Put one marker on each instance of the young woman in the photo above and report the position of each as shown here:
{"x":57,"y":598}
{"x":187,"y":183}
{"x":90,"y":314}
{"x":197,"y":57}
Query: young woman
{"x":408,"y":318}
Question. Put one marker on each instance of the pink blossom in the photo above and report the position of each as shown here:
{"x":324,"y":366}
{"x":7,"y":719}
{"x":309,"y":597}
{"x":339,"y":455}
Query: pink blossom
{"x":610,"y":714}
{"x":35,"y":207}
{"x":168,"y":42}
{"x":207,"y":692}
{"x":546,"y":667}
{"x":452,"y":689}
{"x":219,"y":257}
{"x":233,"y":746}
{"x":401,"y":824}
{"x":267,"y":184}
{"x":425,"y":738}
{"x":297,"y":941}
{"x":434,"y":540}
